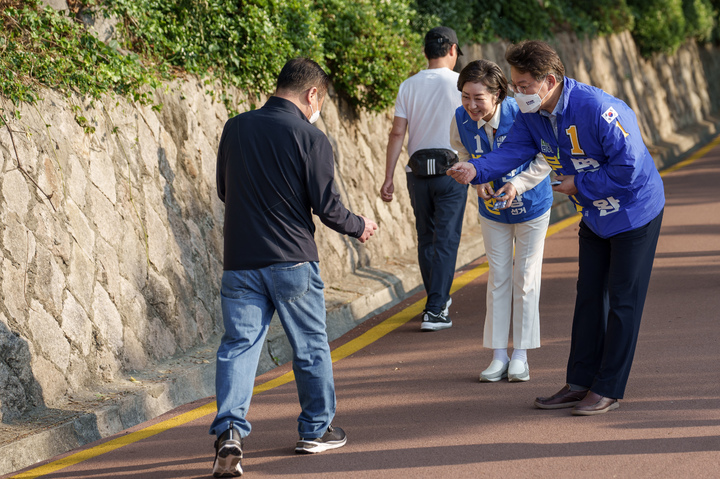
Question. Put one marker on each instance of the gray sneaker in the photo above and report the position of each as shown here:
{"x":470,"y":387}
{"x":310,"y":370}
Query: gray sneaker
{"x":333,"y":438}
{"x":228,"y":453}
{"x":434,"y":322}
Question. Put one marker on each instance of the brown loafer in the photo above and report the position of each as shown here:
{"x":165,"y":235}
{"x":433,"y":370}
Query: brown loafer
{"x":594,"y":404}
{"x":563,"y":398}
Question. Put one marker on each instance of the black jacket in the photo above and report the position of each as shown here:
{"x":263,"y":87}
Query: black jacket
{"x":274,"y":169}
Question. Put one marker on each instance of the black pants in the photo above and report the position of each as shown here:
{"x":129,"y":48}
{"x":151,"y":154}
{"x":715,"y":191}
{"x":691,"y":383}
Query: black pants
{"x":439,"y":206}
{"x":613,"y":279}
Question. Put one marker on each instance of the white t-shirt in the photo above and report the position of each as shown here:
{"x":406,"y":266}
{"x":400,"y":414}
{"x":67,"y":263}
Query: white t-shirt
{"x":428,"y":101}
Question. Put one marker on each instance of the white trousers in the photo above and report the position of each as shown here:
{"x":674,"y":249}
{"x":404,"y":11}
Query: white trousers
{"x":514,"y":288}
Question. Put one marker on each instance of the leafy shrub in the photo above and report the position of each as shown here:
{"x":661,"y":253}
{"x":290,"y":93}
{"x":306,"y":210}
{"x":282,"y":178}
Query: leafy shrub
{"x":42,"y":45}
{"x":483,"y":21}
{"x":700,"y":19}
{"x":370,"y":49}
{"x":243,"y":43}
{"x":715,"y":35}
{"x":460,"y":15}
{"x":659,"y":25}
{"x":368,"y":46}
{"x":656,"y":25}
{"x":516,"y":21}
{"x":601,"y":17}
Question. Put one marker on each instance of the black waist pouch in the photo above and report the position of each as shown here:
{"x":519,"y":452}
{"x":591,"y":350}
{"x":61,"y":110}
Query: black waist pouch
{"x":432,"y":162}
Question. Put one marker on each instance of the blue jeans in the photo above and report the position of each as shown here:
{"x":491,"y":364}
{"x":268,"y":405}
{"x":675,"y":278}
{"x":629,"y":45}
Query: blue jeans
{"x":249,"y":298}
{"x":439,"y":206}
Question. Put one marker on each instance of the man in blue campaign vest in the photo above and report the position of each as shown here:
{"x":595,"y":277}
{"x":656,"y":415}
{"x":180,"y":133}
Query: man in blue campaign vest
{"x":592,"y":141}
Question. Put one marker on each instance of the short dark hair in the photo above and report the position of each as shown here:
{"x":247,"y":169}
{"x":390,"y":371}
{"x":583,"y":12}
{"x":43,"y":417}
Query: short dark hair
{"x":535,"y":57}
{"x":300,"y":74}
{"x":437,"y":50}
{"x":486,"y":72}
{"x":439,"y":41}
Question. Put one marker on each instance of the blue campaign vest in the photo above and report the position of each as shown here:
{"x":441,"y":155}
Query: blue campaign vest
{"x":531,"y":204}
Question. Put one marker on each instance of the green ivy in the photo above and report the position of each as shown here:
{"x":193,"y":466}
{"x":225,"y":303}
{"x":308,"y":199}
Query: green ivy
{"x":659,"y":25}
{"x":483,"y":21}
{"x":370,"y":49}
{"x":715,"y":36}
{"x":700,"y":19}
{"x":656,"y":25}
{"x":41,"y":45}
{"x":243,"y":43}
{"x":368,"y":46}
{"x":461,"y":15}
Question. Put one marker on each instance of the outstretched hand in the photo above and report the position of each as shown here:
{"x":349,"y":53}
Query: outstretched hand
{"x":462,"y":172}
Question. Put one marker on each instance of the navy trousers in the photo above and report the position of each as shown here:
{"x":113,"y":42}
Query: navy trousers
{"x":613,"y":279}
{"x":439,"y":206}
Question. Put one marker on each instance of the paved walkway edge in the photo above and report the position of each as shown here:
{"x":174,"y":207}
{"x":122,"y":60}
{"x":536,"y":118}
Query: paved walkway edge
{"x":193,"y":375}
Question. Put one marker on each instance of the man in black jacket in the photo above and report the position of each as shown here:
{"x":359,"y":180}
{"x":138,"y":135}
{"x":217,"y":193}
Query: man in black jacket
{"x":274,"y":170}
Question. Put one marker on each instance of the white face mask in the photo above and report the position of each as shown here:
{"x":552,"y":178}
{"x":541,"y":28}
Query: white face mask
{"x":315,"y":114}
{"x":530,"y":103}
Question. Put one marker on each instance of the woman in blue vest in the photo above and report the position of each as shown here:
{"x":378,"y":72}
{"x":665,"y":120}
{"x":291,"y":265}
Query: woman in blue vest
{"x":519,"y":218}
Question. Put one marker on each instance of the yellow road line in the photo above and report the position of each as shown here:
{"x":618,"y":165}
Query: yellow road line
{"x":696,"y":156}
{"x":339,"y":353}
{"x":561,"y":225}
{"x":377,"y":332}
{"x":119,"y":442}
{"x":343,"y":351}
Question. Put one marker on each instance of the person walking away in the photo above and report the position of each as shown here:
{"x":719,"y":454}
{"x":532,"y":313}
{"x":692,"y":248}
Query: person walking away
{"x":424,"y":107}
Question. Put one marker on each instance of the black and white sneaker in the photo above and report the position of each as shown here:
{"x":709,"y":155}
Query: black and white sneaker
{"x":333,"y":438}
{"x":228,"y":453}
{"x":434,"y":322}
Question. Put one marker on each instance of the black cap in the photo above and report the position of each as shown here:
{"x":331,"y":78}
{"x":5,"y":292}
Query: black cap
{"x":443,"y":35}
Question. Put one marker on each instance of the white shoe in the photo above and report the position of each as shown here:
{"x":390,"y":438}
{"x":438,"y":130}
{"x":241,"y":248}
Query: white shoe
{"x":495,"y":372}
{"x":446,"y":311}
{"x":518,"y":371}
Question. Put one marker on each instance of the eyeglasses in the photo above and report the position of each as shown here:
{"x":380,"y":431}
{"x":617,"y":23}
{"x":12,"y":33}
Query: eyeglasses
{"x":523,"y":89}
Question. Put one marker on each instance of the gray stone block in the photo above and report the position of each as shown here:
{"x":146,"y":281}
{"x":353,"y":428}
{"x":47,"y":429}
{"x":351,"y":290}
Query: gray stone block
{"x":56,"y":4}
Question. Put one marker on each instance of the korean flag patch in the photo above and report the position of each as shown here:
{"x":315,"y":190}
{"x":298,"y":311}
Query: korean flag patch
{"x":610,"y":114}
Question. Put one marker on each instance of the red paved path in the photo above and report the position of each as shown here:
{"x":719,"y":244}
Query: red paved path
{"x":413,"y":407}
